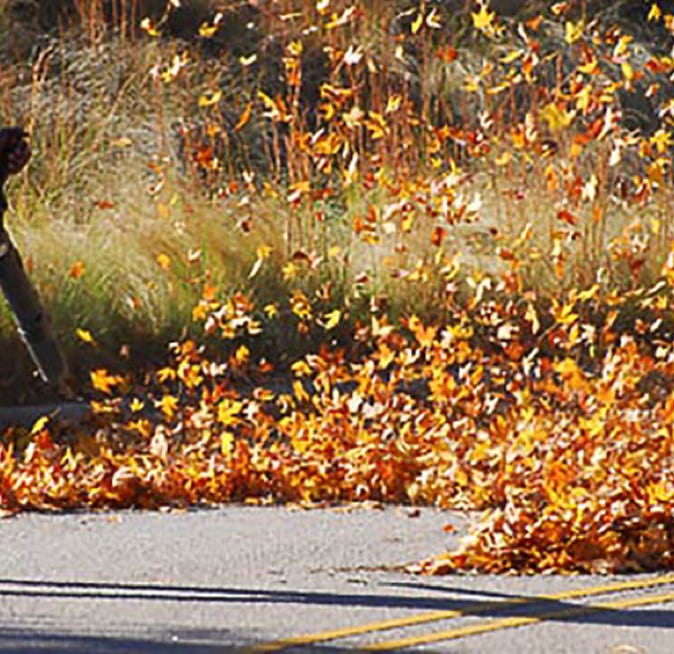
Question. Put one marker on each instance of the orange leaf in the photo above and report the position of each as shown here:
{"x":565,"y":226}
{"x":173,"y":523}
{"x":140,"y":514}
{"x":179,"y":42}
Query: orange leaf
{"x":438,"y":236}
{"x":77,"y":270}
{"x":567,"y":217}
{"x":244,"y":118}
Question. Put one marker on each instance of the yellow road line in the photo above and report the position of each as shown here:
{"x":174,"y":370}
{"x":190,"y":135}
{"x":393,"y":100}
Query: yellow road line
{"x":508,"y":623}
{"x":476,"y":608}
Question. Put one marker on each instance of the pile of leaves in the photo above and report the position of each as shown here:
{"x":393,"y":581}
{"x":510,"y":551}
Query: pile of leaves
{"x":572,"y":464}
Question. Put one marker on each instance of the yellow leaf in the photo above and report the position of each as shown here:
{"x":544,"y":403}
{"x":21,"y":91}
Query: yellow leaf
{"x":417,"y":23}
{"x":103,"y":381}
{"x":513,"y":55}
{"x":136,"y":405}
{"x":660,"y":492}
{"x":85,"y":335}
{"x":299,"y":392}
{"x":393,"y":103}
{"x":655,"y":13}
{"x":248,"y":61}
{"x":207,"y":31}
{"x":332,"y":319}
{"x":242,"y":355}
{"x":483,"y":19}
{"x":376,"y":124}
{"x":573,"y":31}
{"x":295,"y":48}
{"x":165,"y":374}
{"x":168,"y":405}
{"x":627,"y":70}
{"x":504,"y":159}
{"x":226,"y":443}
{"x":301,"y":368}
{"x":289,"y":271}
{"x":164,"y":261}
{"x":271,"y":310}
{"x":571,"y":373}
{"x":272,"y":108}
{"x":662,"y":140}
{"x":556,"y":118}
{"x":589,"y":67}
{"x":264,"y":251}
{"x":228,"y":411}
{"x":39,"y":425}
{"x":209,"y":99}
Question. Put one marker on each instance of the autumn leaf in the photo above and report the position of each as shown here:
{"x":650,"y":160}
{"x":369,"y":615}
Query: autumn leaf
{"x":164,"y":261}
{"x":557,"y":119}
{"x":85,"y":336}
{"x":168,"y":405}
{"x":483,"y":19}
{"x":244,"y":117}
{"x":654,"y":13}
{"x":417,"y":23}
{"x":248,"y":61}
{"x":438,"y":235}
{"x":332,"y":319}
{"x":77,"y":270}
{"x":210,"y":99}
{"x":208,"y":30}
{"x":567,"y":217}
{"x":103,"y":381}
{"x":228,"y":412}
{"x":39,"y":425}
{"x":148,"y":26}
{"x":573,"y":32}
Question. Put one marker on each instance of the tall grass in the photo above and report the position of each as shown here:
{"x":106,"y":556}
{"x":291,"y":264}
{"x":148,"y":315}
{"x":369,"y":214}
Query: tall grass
{"x":383,"y":161}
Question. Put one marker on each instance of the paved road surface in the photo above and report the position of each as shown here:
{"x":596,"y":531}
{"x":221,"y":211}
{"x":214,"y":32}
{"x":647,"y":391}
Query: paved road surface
{"x":27,"y":415}
{"x":226,"y":580}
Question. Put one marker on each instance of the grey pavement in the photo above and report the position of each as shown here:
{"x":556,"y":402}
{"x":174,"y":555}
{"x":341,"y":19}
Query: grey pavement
{"x":27,"y":415}
{"x":224,"y":580}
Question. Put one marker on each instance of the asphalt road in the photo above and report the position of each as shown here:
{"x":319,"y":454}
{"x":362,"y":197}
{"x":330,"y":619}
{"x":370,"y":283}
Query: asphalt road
{"x":27,"y":415}
{"x":235,"y":578}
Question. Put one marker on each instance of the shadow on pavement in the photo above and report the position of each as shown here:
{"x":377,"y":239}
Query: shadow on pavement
{"x":530,"y":606}
{"x":22,"y":642}
{"x":38,"y":642}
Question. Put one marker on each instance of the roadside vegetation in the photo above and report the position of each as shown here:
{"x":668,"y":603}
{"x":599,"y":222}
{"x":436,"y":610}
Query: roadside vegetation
{"x":337,"y":251}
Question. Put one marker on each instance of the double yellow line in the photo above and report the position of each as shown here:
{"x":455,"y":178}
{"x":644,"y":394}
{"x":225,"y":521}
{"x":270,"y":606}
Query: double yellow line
{"x":479,"y":609}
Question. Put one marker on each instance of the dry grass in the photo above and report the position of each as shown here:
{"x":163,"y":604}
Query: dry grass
{"x":121,"y":229}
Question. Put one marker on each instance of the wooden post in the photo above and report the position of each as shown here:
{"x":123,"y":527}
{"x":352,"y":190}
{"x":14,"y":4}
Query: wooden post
{"x":32,"y":320}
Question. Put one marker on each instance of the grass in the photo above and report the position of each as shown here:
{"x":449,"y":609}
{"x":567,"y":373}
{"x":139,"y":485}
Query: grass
{"x":387,"y":207}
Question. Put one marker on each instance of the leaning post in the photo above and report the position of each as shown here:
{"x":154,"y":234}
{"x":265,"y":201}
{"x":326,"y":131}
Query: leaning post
{"x":33,"y":322}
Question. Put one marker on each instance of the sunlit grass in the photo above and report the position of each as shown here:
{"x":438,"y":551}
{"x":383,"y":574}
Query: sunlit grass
{"x":391,"y":193}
